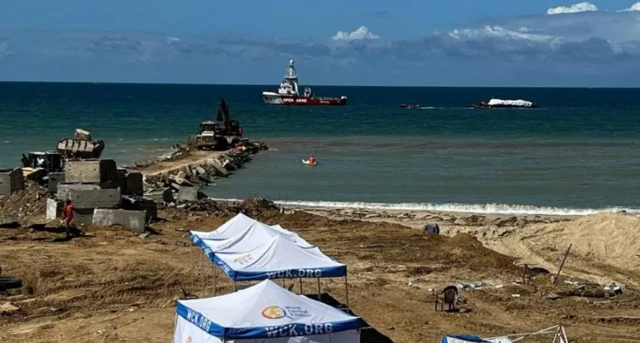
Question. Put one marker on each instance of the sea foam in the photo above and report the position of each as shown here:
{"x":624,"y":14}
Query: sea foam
{"x":453,"y":207}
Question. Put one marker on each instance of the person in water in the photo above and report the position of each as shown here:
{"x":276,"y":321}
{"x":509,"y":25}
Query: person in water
{"x":312,"y":160}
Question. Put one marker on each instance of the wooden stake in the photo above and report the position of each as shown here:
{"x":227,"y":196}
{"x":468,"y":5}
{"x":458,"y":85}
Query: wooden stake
{"x":562,"y":264}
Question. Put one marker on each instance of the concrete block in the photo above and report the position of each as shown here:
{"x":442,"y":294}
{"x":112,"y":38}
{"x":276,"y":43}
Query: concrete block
{"x":187,"y":194}
{"x":218,"y":167}
{"x":139,"y":203}
{"x":83,"y":216}
{"x":53,"y":181}
{"x":167,"y":195}
{"x":110,"y":185}
{"x":134,"y":184}
{"x":11,"y":180}
{"x":63,"y":188}
{"x":134,"y":220}
{"x":54,"y":208}
{"x":91,"y":171}
{"x":95,"y":198}
{"x":122,"y":178}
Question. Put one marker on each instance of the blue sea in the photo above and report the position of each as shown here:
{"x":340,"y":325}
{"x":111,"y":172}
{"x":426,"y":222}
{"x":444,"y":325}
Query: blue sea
{"x":579,"y":153}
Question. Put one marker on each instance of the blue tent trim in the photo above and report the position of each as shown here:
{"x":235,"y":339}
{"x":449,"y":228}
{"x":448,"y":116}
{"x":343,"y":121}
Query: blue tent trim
{"x":339,"y":271}
{"x":287,"y":330}
{"x":465,"y":338}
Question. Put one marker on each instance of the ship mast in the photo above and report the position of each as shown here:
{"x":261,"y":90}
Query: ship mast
{"x":291,"y":76}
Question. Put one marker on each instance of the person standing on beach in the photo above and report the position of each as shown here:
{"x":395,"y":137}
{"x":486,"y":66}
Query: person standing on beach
{"x":67,"y":217}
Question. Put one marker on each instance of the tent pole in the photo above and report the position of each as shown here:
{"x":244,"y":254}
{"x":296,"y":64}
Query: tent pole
{"x":214,"y":279}
{"x":235,"y":288}
{"x":301,"y":292}
{"x":346,"y":289}
{"x":175,"y":328}
{"x":283,"y":285}
{"x":204,"y":279}
{"x":319,"y":296}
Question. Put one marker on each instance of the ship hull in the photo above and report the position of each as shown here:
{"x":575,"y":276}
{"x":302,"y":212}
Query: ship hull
{"x":293,"y":100}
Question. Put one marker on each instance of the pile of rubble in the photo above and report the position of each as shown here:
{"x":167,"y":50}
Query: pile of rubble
{"x":195,"y":175}
{"x":22,"y":206}
{"x":253,"y":207}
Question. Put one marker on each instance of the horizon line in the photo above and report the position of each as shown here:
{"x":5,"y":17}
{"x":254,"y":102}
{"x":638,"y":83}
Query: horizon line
{"x":318,"y":85}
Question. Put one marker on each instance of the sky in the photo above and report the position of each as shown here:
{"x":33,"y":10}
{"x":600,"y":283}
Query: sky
{"x":356,"y":42}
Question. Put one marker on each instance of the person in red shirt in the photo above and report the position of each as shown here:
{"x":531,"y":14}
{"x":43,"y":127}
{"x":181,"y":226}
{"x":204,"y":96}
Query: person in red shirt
{"x":67,"y":216}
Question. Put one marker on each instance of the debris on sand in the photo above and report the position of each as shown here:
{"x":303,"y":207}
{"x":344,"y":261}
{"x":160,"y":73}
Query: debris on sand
{"x":201,"y":205}
{"x":8,"y":308}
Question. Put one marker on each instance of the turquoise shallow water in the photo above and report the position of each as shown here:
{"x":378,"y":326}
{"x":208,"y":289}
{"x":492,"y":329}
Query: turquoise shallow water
{"x":578,"y":153}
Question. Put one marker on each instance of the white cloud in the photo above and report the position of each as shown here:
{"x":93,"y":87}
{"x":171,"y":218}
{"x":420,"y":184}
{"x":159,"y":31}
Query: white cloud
{"x":633,"y":8}
{"x":4,"y":49}
{"x":170,"y":40}
{"x":575,"y":8}
{"x":498,"y":32}
{"x":361,"y":33}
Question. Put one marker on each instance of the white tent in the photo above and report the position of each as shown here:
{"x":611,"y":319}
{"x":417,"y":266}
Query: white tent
{"x":250,"y":238}
{"x":473,"y":339}
{"x":239,"y":225}
{"x":264,"y":313}
{"x":559,"y":336}
{"x":278,"y":258}
{"x":462,"y":339}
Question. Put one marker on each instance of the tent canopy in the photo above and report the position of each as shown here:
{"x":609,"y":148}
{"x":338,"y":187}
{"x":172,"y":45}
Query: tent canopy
{"x":252,"y":237}
{"x":239,"y":225}
{"x":232,"y":227}
{"x":474,"y":339}
{"x":462,"y":339}
{"x":276,"y":259}
{"x":265,"y":310}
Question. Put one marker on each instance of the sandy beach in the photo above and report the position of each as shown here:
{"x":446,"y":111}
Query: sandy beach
{"x":115,"y":286}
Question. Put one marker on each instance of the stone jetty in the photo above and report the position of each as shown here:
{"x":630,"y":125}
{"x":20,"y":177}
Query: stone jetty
{"x":178,"y":179}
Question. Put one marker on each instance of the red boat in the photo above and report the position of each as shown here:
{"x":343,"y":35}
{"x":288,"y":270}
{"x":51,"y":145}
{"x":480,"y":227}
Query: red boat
{"x":288,"y":93}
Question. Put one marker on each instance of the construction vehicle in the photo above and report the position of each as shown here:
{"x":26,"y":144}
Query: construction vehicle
{"x":51,"y":162}
{"x":206,"y":137}
{"x":218,"y":134}
{"x":226,"y":126}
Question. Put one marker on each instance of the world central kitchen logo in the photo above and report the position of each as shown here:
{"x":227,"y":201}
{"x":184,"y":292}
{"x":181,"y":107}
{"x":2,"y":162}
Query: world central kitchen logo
{"x":273,"y":312}
{"x":291,"y":312}
{"x":293,"y":328}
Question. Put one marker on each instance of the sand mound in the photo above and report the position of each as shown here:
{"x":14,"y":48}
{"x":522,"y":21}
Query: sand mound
{"x":395,"y":243}
{"x":609,"y":238}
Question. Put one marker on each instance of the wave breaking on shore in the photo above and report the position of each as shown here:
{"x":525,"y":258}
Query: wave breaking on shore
{"x":454,"y":207}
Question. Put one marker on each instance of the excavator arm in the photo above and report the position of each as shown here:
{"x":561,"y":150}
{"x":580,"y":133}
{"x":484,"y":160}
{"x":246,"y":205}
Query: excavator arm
{"x":223,"y":113}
